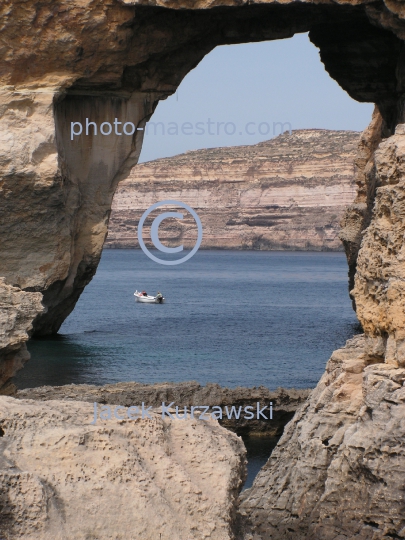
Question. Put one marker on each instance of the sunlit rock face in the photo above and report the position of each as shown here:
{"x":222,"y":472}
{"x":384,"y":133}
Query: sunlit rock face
{"x":358,"y":214}
{"x":64,"y":477}
{"x":339,"y":468}
{"x":286,"y":193}
{"x":379,"y":284}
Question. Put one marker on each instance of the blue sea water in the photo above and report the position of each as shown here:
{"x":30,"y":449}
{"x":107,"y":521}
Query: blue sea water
{"x":231,"y":317}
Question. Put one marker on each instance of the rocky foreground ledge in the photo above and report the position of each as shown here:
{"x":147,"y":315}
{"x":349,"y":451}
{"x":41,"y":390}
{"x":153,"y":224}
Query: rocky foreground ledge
{"x":62,"y":478}
{"x":337,"y":472}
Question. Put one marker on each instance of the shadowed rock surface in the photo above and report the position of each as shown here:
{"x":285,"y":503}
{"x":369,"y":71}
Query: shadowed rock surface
{"x":286,"y":193}
{"x":285,"y":401}
{"x":17,"y":311}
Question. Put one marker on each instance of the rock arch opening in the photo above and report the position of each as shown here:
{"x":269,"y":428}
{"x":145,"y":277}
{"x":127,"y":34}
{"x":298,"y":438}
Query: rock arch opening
{"x":138,"y":74}
{"x":84,"y":159}
{"x":91,"y":166}
{"x":148,"y":51}
{"x":53,"y":220}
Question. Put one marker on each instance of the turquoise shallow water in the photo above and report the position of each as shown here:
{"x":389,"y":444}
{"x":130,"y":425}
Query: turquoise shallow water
{"x":231,"y":317}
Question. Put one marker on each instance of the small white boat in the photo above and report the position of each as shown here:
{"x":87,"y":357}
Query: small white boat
{"x":140,"y":297}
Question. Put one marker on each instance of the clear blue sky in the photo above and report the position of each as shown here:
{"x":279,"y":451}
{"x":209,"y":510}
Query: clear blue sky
{"x":239,"y":90}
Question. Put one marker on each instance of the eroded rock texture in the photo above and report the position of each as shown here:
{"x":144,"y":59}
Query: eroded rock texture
{"x":358,"y":214}
{"x":339,"y":469}
{"x":17,"y":311}
{"x":62,"y":478}
{"x":379,"y":291}
{"x":286,"y":193}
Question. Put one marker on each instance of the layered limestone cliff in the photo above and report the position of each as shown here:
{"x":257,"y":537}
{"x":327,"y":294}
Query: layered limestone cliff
{"x":286,"y":193}
{"x":379,"y":291}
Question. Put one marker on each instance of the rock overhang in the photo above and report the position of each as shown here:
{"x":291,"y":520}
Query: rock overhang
{"x":106,"y":58}
{"x":150,"y":46}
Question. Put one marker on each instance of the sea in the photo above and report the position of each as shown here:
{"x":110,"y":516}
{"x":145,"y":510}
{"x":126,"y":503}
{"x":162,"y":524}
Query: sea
{"x":236,"y":318}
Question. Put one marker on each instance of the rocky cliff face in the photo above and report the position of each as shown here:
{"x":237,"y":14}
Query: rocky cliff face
{"x":286,"y":193}
{"x":338,"y":470}
{"x":106,"y":60}
{"x":378,"y":290}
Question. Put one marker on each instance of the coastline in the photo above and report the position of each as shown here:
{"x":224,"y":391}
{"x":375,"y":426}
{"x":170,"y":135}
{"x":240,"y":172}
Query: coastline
{"x":294,"y":249}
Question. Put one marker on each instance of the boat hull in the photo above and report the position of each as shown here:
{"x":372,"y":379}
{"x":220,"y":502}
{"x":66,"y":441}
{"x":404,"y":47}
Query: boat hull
{"x":148,"y":299}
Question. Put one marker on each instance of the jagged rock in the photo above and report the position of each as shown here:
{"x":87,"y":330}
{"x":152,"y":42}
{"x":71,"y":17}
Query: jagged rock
{"x":285,"y":400}
{"x":17,"y":311}
{"x":339,"y":468}
{"x":64,"y":479}
{"x":357,"y":216}
{"x":286,"y":193}
{"x":379,"y":291}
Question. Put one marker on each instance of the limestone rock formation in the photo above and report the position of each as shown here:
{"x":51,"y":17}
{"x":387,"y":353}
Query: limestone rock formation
{"x":378,"y":291}
{"x":17,"y":311}
{"x":62,"y":478}
{"x":286,"y":193}
{"x":285,"y":401}
{"x":339,"y":469}
{"x":56,"y":187}
{"x":67,"y":61}
{"x":358,"y":215}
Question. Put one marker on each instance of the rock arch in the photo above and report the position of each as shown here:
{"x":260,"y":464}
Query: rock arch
{"x":57,"y":192}
{"x":67,"y":61}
